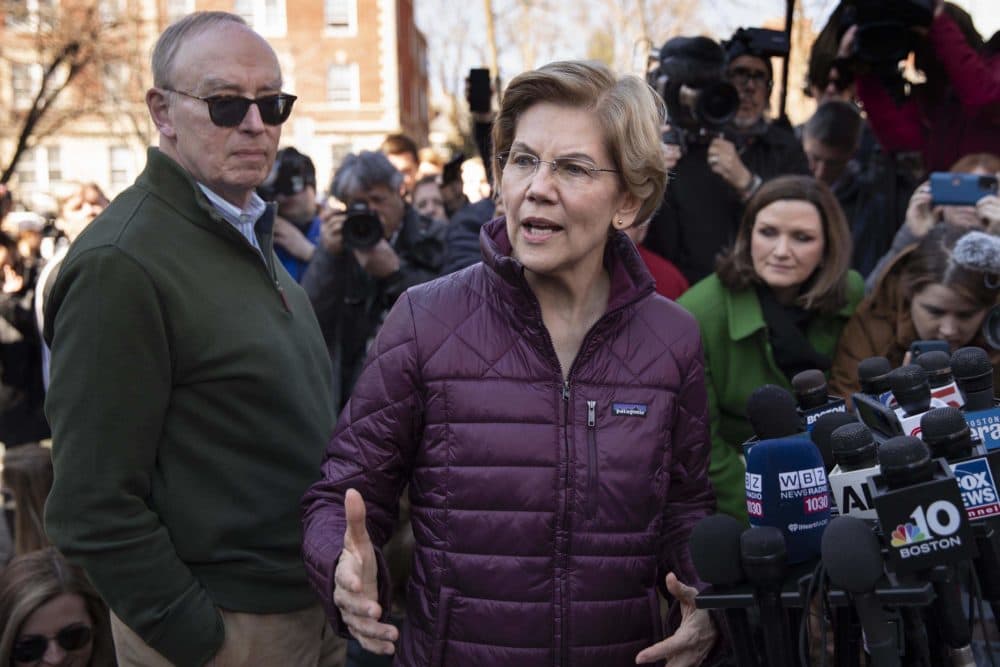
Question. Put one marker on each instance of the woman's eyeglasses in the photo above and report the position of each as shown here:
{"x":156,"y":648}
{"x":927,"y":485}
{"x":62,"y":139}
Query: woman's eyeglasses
{"x":229,"y":110}
{"x":571,"y":171}
{"x":31,"y":648}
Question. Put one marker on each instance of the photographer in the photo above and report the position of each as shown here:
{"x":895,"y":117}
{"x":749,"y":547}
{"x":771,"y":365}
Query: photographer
{"x":956,"y":111}
{"x":292,"y":184}
{"x":728,"y":147}
{"x":367,"y":256}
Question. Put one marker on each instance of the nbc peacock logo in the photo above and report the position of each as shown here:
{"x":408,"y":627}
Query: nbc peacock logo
{"x":907,"y":533}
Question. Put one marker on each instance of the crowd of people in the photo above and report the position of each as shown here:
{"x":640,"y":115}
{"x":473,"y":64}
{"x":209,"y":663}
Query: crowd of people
{"x":379,"y":422}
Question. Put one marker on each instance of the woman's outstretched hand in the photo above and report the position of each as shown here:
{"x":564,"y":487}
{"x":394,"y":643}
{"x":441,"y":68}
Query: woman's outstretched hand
{"x":694,"y":637}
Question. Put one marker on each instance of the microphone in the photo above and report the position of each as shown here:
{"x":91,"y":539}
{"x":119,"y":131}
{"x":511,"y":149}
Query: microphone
{"x":824,"y":427}
{"x":974,"y":376}
{"x":772,"y":412}
{"x":946,"y":433}
{"x":813,"y":397}
{"x":714,"y":545}
{"x":873,"y":374}
{"x":857,"y":570}
{"x":921,"y":511}
{"x":855,"y":452}
{"x":937,"y":365}
{"x":913,"y":394}
{"x":764,"y":557}
{"x":786,"y":488}
{"x":978,"y":251}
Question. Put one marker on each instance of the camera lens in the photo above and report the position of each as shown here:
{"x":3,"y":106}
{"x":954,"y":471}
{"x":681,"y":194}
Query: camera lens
{"x":362,"y":228}
{"x":991,"y":328}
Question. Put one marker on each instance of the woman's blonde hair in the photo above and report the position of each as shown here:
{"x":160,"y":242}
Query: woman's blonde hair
{"x":629,"y":112}
{"x":34,"y":579}
{"x":826,"y":289}
{"x":27,"y":475}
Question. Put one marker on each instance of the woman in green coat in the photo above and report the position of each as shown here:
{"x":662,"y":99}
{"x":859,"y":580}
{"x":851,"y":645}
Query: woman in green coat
{"x":774,"y":307}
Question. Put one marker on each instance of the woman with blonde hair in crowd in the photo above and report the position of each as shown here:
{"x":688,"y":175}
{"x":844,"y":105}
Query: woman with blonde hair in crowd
{"x":775,"y":306}
{"x":545,"y":394}
{"x":27,"y":480}
{"x":51,"y":615}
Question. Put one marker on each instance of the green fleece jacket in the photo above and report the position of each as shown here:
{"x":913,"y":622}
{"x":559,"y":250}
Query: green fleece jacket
{"x":738,"y":359}
{"x":190,"y":405}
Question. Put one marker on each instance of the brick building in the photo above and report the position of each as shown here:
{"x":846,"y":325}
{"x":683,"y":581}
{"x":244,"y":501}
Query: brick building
{"x":358,"y":67}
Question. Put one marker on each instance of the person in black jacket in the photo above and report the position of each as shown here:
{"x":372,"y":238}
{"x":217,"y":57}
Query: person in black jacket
{"x":352,"y":288}
{"x":716,"y":175}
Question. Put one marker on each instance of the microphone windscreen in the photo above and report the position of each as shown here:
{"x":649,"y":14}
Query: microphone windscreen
{"x":945,"y":428}
{"x":810,"y":388}
{"x":972,"y":368}
{"x":910,"y":387}
{"x":905,"y":460}
{"x":852,"y":555}
{"x":978,"y":251}
{"x":771,"y":411}
{"x":935,"y":360}
{"x":787,"y":489}
{"x":824,"y":428}
{"x":854,"y":443}
{"x":873,"y":374}
{"x":715,"y":550}
{"x":764,"y":555}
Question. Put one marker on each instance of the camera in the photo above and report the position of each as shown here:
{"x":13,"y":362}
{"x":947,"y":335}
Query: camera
{"x":883,"y":35}
{"x":291,"y":173}
{"x":362,"y":229}
{"x":760,"y":42}
{"x":689,"y":78}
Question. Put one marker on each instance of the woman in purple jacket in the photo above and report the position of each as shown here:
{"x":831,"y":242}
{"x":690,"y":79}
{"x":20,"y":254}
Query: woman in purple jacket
{"x":547,"y":409}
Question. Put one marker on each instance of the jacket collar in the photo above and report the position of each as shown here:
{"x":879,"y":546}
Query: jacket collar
{"x":630,"y":280}
{"x":746,"y":316}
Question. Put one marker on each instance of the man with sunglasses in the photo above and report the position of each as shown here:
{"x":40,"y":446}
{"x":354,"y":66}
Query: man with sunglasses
{"x":190,"y":387}
{"x":717,"y":174}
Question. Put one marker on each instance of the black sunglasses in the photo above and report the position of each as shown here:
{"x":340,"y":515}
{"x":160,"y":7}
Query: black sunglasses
{"x":229,"y":110}
{"x":31,"y":648}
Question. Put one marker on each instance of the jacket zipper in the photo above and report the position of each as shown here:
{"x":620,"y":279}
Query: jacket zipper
{"x":591,"y":459}
{"x":562,"y":555}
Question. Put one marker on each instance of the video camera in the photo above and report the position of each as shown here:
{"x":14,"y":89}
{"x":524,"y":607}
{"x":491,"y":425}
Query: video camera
{"x":883,"y":36}
{"x":291,"y":173}
{"x":690,"y":79}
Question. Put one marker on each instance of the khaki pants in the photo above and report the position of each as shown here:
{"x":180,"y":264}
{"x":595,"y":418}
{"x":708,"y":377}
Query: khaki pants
{"x":300,"y":638}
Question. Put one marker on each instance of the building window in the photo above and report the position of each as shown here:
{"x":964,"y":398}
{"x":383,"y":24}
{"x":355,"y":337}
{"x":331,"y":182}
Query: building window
{"x":26,"y":168}
{"x":111,"y":10}
{"x":120,"y":160}
{"x":340,"y":17}
{"x":54,"y":163}
{"x":24,"y":82}
{"x":267,"y":17}
{"x":116,"y":80}
{"x":343,"y":85}
{"x":30,"y":14}
{"x":178,"y":8}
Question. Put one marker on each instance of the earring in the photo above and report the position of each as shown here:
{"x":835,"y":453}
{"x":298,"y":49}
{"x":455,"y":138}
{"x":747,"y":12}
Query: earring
{"x":619,"y":223}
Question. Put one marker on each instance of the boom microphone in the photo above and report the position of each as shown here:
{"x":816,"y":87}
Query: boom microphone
{"x":853,"y":560}
{"x":978,"y":251}
{"x":813,"y":397}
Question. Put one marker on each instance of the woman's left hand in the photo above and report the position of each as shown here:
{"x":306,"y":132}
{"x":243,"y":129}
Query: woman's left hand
{"x":694,"y":638}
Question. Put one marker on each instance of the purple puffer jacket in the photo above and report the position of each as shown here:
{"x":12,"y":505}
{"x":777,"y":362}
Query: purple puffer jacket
{"x":545,"y":513}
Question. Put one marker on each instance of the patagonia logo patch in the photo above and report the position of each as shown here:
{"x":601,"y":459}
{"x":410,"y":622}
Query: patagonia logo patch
{"x":629,"y":409}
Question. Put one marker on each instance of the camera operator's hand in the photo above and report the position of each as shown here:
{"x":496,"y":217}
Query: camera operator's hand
{"x":671,"y":152}
{"x":725,"y":161}
{"x":379,"y":261}
{"x":919,"y":214}
{"x":288,"y":236}
{"x":988,"y":210}
{"x":331,"y":232}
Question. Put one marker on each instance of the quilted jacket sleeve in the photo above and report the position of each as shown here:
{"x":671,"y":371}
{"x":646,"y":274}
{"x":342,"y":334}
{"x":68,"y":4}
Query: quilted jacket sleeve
{"x":371,"y":451}
{"x":690,"y":496}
